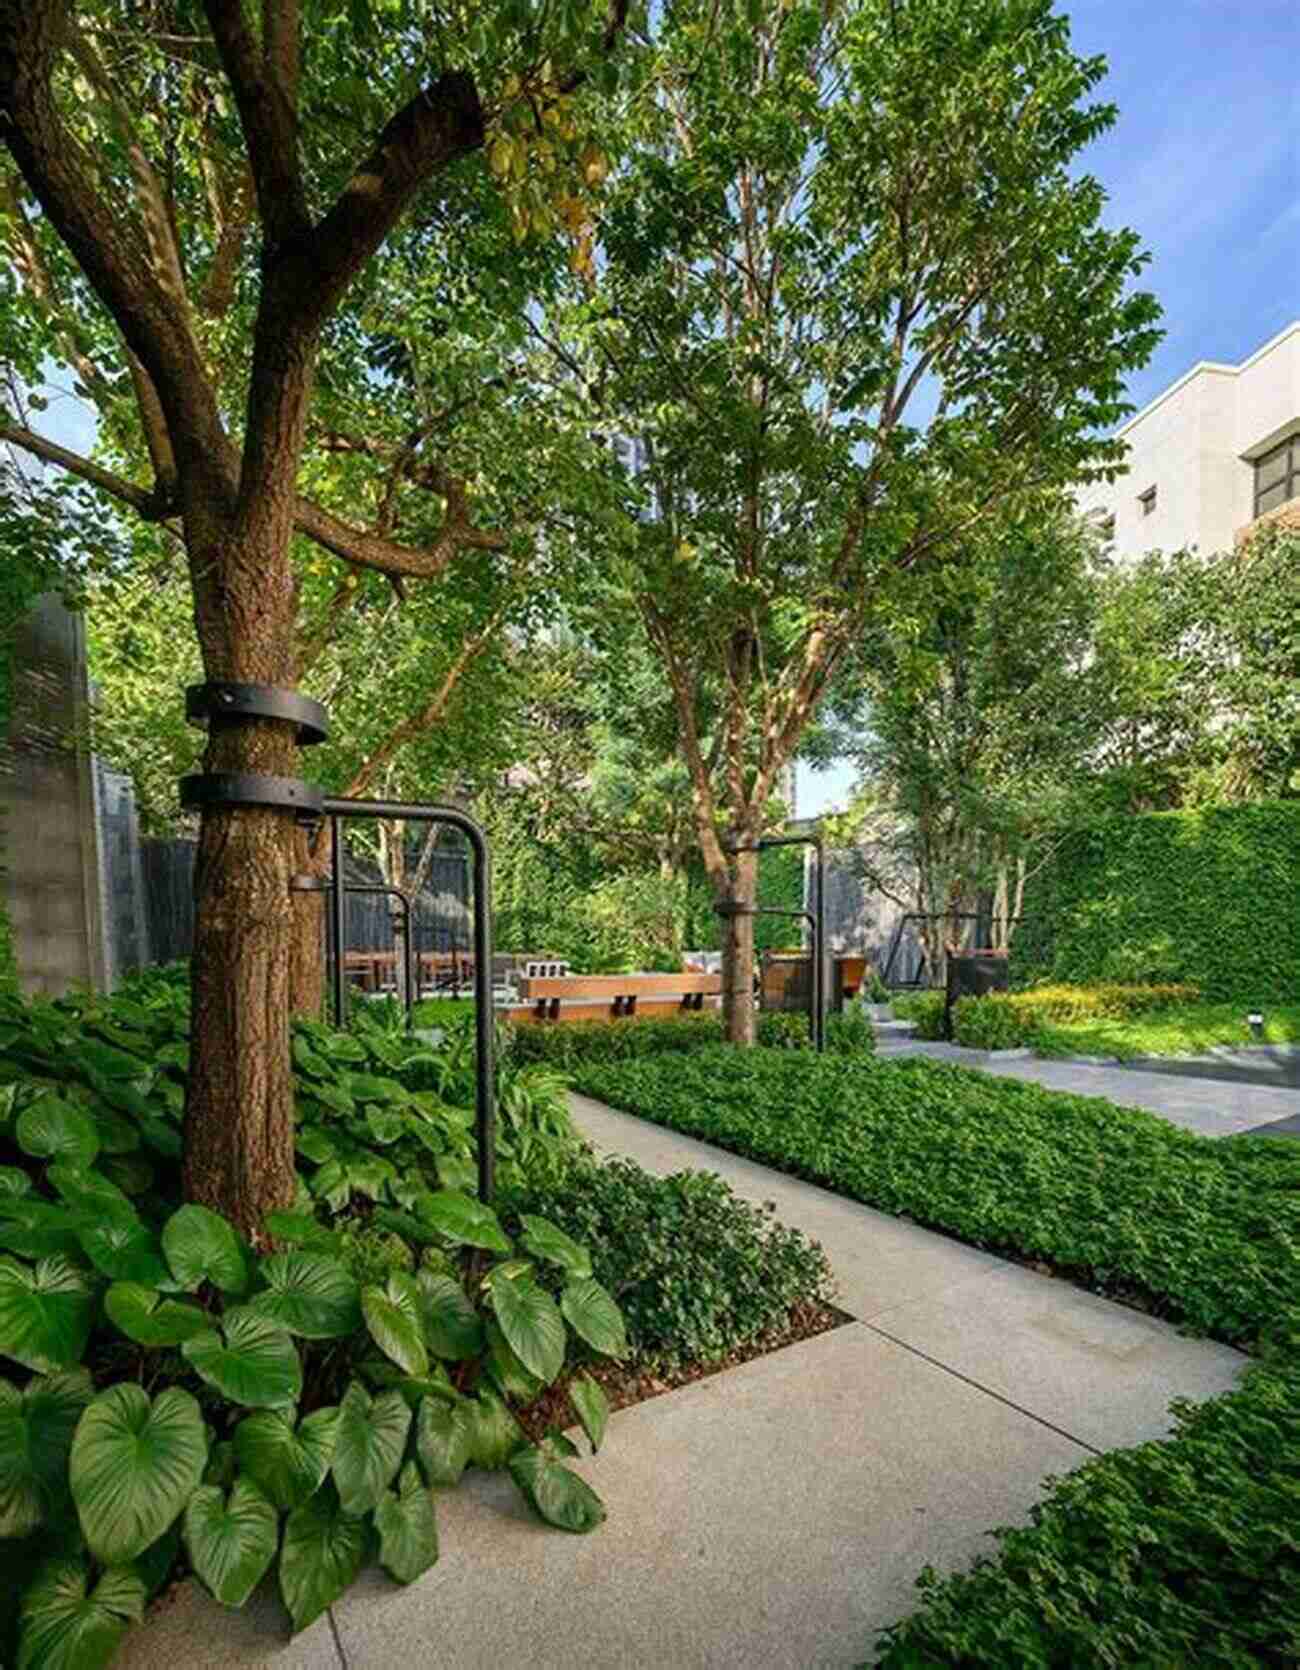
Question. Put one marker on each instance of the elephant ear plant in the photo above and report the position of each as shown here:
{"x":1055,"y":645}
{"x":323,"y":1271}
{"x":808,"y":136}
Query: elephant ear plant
{"x":174,"y":1395}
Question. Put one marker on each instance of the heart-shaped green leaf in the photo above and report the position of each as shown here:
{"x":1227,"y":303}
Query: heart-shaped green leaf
{"x":324,"y":1549}
{"x":464,"y":1221}
{"x":443,"y":1439}
{"x":333,"y":1096}
{"x":592,"y":1314}
{"x":134,"y":1465}
{"x":310,"y":1294}
{"x":369,"y":1445}
{"x":370,"y":1087}
{"x":408,"y":1528}
{"x":457,"y":1172}
{"x":201,"y":1246}
{"x":314,"y":1145}
{"x":89,"y":1191}
{"x":44,"y":1313}
{"x":385,"y":1124}
{"x":392,"y":1315}
{"x":453,"y":1329}
{"x":555,"y":1491}
{"x":36,"y":1427}
{"x":510,"y":1376}
{"x":67,"y":1625}
{"x":38,"y":1228}
{"x":494,"y":1433}
{"x":231,"y":1539}
{"x":13,"y":1182}
{"x":588,"y":1397}
{"x":301,"y":1227}
{"x":544,"y":1240}
{"x":109,"y":1063}
{"x":143,"y":1315}
{"x":306,"y":1057}
{"x":531,"y":1323}
{"x":256,"y":1364}
{"x":52,"y":1129}
{"x":124,"y":1251}
{"x":288,"y":1465}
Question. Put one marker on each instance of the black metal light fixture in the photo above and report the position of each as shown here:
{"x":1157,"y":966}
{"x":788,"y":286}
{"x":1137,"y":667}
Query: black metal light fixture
{"x":1255,"y":1021}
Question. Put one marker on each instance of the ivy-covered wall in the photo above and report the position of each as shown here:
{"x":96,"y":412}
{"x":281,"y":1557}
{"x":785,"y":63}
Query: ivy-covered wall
{"x":1210,"y":896}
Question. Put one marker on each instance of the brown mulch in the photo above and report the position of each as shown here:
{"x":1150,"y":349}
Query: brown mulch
{"x":626,"y":1384}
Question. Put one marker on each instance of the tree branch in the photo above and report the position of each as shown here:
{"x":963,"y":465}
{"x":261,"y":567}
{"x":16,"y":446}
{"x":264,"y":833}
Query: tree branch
{"x":417,"y":723}
{"x":147,"y":504}
{"x":330,"y":532}
{"x":265,"y":89}
{"x":112,"y":252}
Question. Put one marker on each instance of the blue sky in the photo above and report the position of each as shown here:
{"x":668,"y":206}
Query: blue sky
{"x":1204,"y":162}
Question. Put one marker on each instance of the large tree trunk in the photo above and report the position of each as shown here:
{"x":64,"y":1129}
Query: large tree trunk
{"x":738,"y":1020}
{"x":239,"y":1113}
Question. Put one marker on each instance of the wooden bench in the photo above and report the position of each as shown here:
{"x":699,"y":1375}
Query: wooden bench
{"x":612,"y":997}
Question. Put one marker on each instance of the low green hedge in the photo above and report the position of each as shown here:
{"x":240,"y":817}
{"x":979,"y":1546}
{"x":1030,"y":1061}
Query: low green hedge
{"x":1179,"y":1552}
{"x":1008,"y":1020}
{"x":698,"y":1272}
{"x":576,"y":1043}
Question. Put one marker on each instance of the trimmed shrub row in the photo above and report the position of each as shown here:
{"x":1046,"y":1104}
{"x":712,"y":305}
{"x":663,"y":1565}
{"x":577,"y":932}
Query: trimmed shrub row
{"x":577,"y":1043}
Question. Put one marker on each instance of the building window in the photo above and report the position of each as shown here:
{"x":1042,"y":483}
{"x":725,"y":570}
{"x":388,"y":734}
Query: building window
{"x":1277,"y":476}
{"x":1147,"y":500}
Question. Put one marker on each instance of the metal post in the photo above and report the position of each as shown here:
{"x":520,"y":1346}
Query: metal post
{"x":483,"y":1018}
{"x":409,"y":958}
{"x":485,"y":1078}
{"x":819,"y":935}
{"x":339,"y":916}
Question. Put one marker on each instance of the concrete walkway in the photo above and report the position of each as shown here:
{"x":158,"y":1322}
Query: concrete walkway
{"x":1214,"y":1107}
{"x":773,"y":1517}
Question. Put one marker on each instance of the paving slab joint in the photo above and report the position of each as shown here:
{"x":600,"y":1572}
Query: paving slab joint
{"x":977,"y":1385}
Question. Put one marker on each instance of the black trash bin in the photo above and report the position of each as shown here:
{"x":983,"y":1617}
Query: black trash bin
{"x":973,"y":974}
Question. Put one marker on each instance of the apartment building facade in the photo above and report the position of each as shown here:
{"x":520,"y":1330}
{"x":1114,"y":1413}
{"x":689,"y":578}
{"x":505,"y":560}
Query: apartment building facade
{"x":1211,"y":457}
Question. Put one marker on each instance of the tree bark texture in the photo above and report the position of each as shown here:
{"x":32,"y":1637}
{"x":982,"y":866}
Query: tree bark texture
{"x":239,"y":1113}
{"x":738,"y":1020}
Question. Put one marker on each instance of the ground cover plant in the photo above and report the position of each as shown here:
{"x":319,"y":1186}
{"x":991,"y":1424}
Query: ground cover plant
{"x":570,"y":1045}
{"x":1177,"y":1552}
{"x":173,"y":1399}
{"x":1199,"y":1230}
{"x":698,"y":1273}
